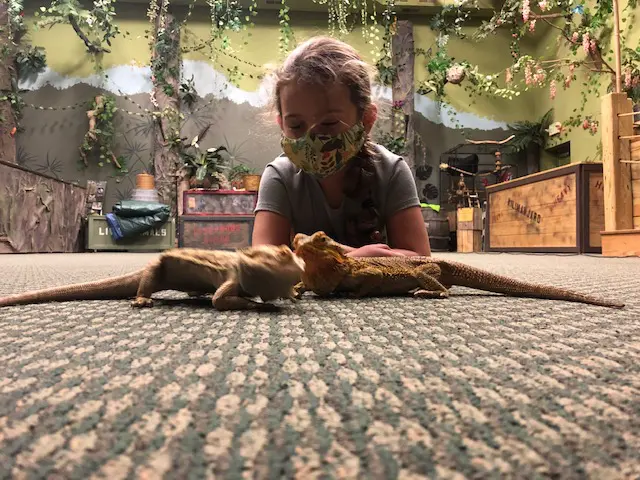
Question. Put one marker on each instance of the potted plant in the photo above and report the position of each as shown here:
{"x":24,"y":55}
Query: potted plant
{"x":237,"y":174}
{"x":531,"y":137}
{"x":205,"y":169}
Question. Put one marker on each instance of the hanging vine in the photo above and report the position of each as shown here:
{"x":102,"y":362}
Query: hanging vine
{"x":585,"y":31}
{"x":96,"y":27}
{"x":100,"y":138}
{"x":21,"y":58}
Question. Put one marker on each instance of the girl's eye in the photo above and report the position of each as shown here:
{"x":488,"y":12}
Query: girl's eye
{"x":330,"y":124}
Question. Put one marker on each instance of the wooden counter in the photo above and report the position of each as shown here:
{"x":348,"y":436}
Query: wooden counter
{"x":558,"y":210}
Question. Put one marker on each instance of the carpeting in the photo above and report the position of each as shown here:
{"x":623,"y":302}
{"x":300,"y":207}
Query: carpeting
{"x":476,"y":386}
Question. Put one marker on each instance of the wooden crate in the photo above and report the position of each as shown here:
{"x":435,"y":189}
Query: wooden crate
{"x":215,"y":232}
{"x":558,"y":210}
{"x":158,"y":239}
{"x":218,"y":202}
{"x":469,"y":230}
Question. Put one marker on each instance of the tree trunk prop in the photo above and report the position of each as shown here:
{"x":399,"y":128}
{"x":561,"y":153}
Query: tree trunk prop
{"x":166,"y":158}
{"x":403,"y":86}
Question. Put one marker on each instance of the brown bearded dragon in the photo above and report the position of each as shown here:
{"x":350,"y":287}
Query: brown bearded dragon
{"x":328,"y":270}
{"x":266,"y":271}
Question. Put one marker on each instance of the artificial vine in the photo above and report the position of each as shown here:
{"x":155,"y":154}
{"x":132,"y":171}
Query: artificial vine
{"x":95,"y":27}
{"x":586,"y":31}
{"x":22,"y":58}
{"x":100,"y":138}
{"x":286,"y":38}
{"x":386,"y":71}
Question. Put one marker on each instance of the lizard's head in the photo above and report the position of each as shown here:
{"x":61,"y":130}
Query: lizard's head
{"x":318,"y":245}
{"x":269,"y":271}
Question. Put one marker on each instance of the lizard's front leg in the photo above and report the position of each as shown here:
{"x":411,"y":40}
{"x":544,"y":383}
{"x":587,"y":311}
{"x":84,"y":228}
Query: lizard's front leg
{"x":430,"y":287}
{"x":227,"y":298}
{"x":298,"y":290}
{"x":367,"y":280}
{"x":148,"y":284}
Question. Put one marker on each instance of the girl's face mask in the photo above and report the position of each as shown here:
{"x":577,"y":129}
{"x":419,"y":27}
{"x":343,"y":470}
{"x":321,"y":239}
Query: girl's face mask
{"x":323,"y":155}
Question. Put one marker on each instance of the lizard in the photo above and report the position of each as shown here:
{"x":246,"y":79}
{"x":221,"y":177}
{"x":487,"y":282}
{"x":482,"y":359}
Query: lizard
{"x":266,"y":271}
{"x":329,"y":270}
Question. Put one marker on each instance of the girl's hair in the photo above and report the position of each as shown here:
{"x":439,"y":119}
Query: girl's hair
{"x":325,"y":61}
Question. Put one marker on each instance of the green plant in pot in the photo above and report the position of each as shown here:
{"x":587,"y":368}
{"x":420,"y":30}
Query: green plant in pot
{"x":237,"y":174}
{"x":205,"y":168}
{"x":530,"y":137}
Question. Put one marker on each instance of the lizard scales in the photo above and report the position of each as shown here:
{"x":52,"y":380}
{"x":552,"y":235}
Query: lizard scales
{"x":329,"y":270}
{"x":268,"y":272}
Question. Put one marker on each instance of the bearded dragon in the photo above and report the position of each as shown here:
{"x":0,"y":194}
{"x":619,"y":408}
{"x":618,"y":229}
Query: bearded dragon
{"x":328,"y":270}
{"x":265,"y":271}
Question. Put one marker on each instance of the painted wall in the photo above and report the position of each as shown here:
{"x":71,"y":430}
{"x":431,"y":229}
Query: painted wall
{"x":237,"y":113}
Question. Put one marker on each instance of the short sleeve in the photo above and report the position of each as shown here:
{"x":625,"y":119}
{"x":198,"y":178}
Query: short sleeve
{"x":272,"y":194}
{"x":401,"y":190}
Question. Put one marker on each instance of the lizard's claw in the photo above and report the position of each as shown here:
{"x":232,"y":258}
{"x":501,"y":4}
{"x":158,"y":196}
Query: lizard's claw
{"x":430,"y":294}
{"x":141,"y":302}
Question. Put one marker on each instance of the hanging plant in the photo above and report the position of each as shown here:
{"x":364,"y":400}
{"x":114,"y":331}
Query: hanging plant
{"x":100,"y":138}
{"x":24,"y":59}
{"x":94,"y":27}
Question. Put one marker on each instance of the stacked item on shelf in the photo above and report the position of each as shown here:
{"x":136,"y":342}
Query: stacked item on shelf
{"x":216,"y":219}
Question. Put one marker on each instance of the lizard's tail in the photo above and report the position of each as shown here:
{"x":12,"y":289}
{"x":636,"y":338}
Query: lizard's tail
{"x":468,"y":276}
{"x":123,"y":286}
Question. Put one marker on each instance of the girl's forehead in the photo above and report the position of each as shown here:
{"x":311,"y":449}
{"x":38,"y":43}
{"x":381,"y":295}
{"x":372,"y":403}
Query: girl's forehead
{"x":304,"y":99}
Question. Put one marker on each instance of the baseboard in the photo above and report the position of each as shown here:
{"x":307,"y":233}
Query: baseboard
{"x":621,"y":243}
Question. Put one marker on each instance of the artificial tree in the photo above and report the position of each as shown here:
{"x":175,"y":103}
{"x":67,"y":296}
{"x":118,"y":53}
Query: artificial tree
{"x":584,"y":36}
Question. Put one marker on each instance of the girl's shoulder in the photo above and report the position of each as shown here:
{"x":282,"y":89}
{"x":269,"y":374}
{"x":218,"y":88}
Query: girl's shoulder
{"x":386,"y":162}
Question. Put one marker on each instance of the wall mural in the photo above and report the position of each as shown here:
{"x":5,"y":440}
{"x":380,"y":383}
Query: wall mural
{"x":239,"y":120}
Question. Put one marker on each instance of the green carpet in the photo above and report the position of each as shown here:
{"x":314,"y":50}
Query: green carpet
{"x":475,"y":386}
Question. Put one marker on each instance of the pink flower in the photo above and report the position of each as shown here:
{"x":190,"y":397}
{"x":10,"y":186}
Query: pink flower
{"x":594,"y":127}
{"x":574,"y":37}
{"x":540,"y":75}
{"x":508,"y":76}
{"x":586,"y":44}
{"x":528,"y":75}
{"x":532,"y":25}
{"x":593,"y":47}
{"x":526,"y":10}
{"x":585,"y":124}
{"x":627,"y":77}
{"x":543,"y":5}
{"x":552,"y":89}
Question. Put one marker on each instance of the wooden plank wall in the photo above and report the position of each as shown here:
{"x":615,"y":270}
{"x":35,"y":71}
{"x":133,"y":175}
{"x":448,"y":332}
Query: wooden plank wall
{"x":635,"y":181}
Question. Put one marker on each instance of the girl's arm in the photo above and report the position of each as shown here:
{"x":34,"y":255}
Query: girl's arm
{"x":270,"y":228}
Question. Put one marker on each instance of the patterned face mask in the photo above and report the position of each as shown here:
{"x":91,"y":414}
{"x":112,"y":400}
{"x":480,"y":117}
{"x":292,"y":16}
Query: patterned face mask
{"x":323,"y":155}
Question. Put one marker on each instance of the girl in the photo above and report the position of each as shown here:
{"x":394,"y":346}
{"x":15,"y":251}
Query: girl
{"x":332,"y":177}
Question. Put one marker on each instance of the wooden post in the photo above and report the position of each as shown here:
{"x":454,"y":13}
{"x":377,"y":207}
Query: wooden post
{"x":7,"y":120}
{"x":403,"y":84}
{"x":618,"y":204}
{"x":166,"y":159}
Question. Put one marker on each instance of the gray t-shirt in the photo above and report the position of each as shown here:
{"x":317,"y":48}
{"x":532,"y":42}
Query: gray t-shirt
{"x":298,"y":196}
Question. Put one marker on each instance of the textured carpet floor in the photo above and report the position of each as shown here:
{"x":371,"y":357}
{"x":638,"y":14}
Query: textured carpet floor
{"x":476,"y":386}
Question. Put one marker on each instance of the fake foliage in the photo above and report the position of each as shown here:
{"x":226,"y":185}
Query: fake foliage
{"x":528,"y":134}
{"x":203,"y":165}
{"x":100,"y":138}
{"x":24,"y":59}
{"x":96,"y":27}
{"x":584,"y":32}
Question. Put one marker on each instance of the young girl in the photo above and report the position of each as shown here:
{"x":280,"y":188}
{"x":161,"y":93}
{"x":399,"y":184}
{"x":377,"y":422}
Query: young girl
{"x":332,"y":177}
